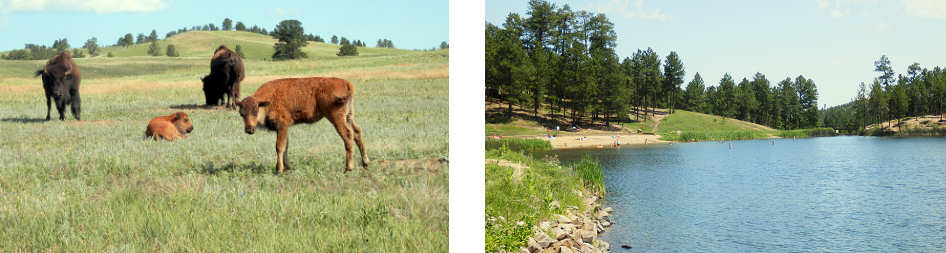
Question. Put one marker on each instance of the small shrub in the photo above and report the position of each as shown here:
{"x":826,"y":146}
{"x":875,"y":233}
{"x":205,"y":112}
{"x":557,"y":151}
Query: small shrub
{"x":591,"y":173}
{"x":347,"y":50}
{"x":172,"y":51}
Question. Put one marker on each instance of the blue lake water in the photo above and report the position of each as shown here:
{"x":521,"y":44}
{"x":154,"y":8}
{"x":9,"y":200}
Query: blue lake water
{"x":849,"y":194}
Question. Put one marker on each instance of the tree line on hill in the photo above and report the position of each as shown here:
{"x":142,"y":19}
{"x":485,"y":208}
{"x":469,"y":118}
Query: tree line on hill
{"x":290,"y":36}
{"x":564,"y":61}
{"x":890,"y":96}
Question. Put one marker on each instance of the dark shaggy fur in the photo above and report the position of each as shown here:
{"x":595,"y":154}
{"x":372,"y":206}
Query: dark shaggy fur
{"x":304,"y":100}
{"x":61,"y":82}
{"x":222,"y":85}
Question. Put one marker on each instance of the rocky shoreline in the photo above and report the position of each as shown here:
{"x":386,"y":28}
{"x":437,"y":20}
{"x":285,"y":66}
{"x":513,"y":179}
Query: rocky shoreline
{"x":574,"y":232}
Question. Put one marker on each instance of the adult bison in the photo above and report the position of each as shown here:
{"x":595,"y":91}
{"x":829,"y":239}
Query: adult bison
{"x":290,"y":101}
{"x":61,"y":82}
{"x":226,"y":73}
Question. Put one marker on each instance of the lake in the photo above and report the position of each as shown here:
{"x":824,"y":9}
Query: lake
{"x":817,"y":194}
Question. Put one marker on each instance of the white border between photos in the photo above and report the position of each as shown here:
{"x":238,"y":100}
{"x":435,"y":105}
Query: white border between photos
{"x":467,"y":125}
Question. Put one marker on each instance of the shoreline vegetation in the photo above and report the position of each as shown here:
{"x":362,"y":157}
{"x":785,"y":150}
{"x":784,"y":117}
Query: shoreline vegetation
{"x":537,"y":205}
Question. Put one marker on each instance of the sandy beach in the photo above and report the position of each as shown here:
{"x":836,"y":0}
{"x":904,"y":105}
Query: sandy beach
{"x":602,"y":141}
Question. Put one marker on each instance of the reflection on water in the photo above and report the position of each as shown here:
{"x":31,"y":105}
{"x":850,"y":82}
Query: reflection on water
{"x":819,"y":194}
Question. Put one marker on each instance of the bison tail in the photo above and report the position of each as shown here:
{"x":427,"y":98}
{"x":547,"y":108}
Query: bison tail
{"x":39,"y":72}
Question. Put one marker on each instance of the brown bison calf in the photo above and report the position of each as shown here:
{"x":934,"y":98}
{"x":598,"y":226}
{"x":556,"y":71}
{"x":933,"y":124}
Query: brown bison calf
{"x":289,"y":101}
{"x":169,"y":127}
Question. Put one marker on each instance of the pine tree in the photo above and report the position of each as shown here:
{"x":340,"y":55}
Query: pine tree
{"x":239,"y":52}
{"x":290,"y":36}
{"x":153,"y":49}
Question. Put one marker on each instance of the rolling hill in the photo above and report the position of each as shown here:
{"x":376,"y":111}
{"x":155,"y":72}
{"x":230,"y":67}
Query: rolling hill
{"x":97,"y":185}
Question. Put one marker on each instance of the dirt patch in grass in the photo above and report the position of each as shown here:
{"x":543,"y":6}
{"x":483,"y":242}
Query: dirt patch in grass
{"x":197,"y":107}
{"x":425,"y":165}
{"x":83,"y":123}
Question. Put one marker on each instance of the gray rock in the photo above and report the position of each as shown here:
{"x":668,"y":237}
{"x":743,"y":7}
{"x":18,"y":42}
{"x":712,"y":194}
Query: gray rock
{"x":543,"y":240}
{"x":603,"y":245}
{"x":564,"y":249}
{"x":587,"y":248}
{"x":605,"y":223}
{"x":545,"y":225}
{"x":559,"y":233}
{"x":588,"y":236}
{"x":602,"y":215}
{"x":567,"y":227}
{"x":563,"y":219}
{"x":588,"y":224}
{"x":534,"y":245}
{"x":524,"y":250}
{"x":608,"y":209}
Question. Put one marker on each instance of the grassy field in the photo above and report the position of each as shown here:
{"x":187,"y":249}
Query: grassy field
{"x":522,"y":189}
{"x":692,"y":126}
{"x":96,"y":185}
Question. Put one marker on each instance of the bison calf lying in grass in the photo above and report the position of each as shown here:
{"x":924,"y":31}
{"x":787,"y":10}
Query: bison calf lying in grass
{"x":170,"y":127}
{"x":289,"y":101}
{"x":61,"y":82}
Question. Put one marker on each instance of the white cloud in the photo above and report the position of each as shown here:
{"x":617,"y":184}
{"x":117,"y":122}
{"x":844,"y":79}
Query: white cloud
{"x":281,"y":12}
{"x":98,"y":6}
{"x":935,"y":9}
{"x":840,"y":8}
{"x":626,"y":9}
{"x":882,"y":27}
{"x":839,"y":13}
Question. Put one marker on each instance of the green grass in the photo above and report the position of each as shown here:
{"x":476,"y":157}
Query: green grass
{"x":923,"y":131}
{"x":644,"y":126}
{"x":525,"y":194}
{"x":97,"y":185}
{"x":514,"y":129}
{"x":694,"y":126}
{"x":810,"y":132}
{"x":518,"y":144}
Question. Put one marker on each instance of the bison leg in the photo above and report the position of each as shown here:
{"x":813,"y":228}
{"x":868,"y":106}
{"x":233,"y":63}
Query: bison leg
{"x":285,"y":155}
{"x":48,"y":106}
{"x":358,"y":139}
{"x":281,"y":140}
{"x":344,"y":131}
{"x":61,"y":106}
{"x":76,"y":106}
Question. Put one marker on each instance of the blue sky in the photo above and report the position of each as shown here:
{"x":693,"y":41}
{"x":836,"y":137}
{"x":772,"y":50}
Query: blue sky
{"x":416,"y":24}
{"x":833,"y":42}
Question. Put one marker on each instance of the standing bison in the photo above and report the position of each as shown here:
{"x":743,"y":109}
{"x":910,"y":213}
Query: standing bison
{"x":61,"y":82}
{"x":226,"y":73}
{"x":290,"y":101}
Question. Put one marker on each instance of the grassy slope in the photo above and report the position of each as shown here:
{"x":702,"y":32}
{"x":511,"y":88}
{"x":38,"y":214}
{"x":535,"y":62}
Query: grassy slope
{"x":96,"y":185}
{"x":695,"y":126}
{"x":524,"y":192}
